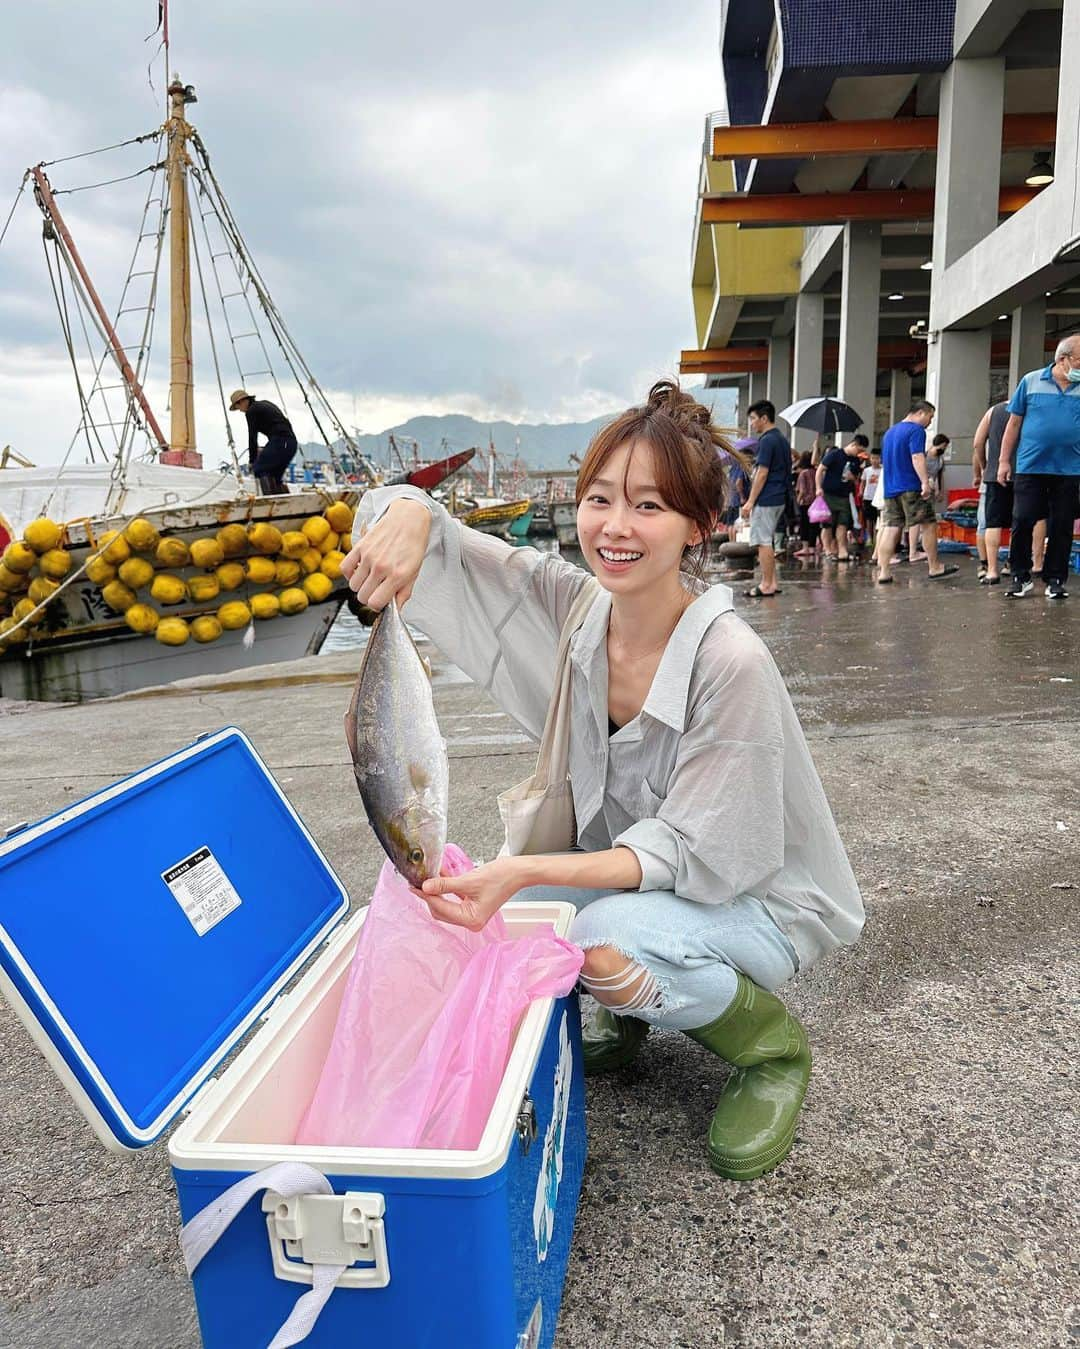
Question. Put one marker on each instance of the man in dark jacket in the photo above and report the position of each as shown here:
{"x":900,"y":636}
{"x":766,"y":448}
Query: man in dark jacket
{"x":269,"y":462}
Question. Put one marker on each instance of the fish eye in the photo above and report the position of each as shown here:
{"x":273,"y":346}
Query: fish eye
{"x":416,"y":856}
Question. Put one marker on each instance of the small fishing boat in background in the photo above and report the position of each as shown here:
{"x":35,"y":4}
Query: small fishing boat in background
{"x":564,"y":522}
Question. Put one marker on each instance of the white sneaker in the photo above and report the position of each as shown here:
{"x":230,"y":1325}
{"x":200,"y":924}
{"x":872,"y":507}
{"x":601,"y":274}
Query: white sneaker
{"x":1019,"y":588}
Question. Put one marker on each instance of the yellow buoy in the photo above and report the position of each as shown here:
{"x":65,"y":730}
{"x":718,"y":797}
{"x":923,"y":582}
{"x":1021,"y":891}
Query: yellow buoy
{"x":261,"y":570}
{"x":316,"y":529}
{"x":235,"y":614}
{"x":265,"y":605}
{"x":203,"y":588}
{"x":207,"y":553}
{"x":286,"y":573}
{"x":42,"y":534}
{"x":41,"y":588}
{"x":7,"y":635}
{"x":56,"y":563}
{"x":172,"y":632}
{"x":141,"y":617}
{"x":173,"y":553}
{"x":345,"y":542}
{"x":116,"y":548}
{"x":118,"y":596}
{"x":317,"y":587}
{"x":340,"y":516}
{"x":331,"y":565}
{"x":136,"y":572}
{"x":12,"y":581}
{"x":142,"y":536}
{"x":19,"y":557}
{"x":100,"y":572}
{"x":294,"y":544}
{"x":329,"y":544}
{"x":265,"y":538}
{"x":168,"y":589}
{"x":230,"y":575}
{"x":233,"y":540}
{"x":293,"y":601}
{"x":206,"y":629}
{"x":24,"y":609}
{"x":311,"y":561}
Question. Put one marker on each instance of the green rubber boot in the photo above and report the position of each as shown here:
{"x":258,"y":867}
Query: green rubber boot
{"x":753,"y":1126}
{"x":612,"y":1041}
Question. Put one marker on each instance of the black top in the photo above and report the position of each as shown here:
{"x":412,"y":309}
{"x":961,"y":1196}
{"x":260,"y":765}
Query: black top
{"x":266,"y":417}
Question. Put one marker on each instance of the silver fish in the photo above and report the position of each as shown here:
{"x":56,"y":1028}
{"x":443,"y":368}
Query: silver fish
{"x":398,"y":753}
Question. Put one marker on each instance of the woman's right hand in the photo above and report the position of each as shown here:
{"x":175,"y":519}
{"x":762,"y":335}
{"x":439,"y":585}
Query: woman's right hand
{"x":385,"y":561}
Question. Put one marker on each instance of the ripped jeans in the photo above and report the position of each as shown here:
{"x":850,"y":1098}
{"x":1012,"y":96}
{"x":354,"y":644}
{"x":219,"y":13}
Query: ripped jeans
{"x":690,"y":953}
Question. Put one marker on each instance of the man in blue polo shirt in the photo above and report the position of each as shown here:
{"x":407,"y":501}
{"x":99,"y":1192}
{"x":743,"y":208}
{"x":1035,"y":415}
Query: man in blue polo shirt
{"x":908,"y":491}
{"x":1044,"y":420}
{"x":768,"y":492}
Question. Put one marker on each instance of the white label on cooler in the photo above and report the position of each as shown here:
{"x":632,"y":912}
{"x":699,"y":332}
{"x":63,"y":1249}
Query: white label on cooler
{"x":202,"y":890}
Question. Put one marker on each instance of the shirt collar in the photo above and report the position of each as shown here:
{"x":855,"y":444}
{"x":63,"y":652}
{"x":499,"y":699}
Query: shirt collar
{"x":670,"y":691}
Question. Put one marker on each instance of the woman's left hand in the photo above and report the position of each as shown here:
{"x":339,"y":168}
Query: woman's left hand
{"x":481,"y":892}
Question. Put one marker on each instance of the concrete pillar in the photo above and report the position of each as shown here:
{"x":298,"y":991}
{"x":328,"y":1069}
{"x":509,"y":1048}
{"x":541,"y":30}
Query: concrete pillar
{"x":859,"y":303}
{"x":1027,"y":349}
{"x":899,"y":396}
{"x":779,"y":374}
{"x":743,"y":405}
{"x":958,"y":384}
{"x":809,"y":346}
{"x":968,"y":157}
{"x":759,"y":386}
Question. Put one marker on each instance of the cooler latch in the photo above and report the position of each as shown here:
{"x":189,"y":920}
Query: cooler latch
{"x":329,"y":1229}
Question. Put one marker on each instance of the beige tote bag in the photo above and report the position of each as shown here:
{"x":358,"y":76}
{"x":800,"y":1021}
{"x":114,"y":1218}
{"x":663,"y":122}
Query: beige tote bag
{"x":538,"y":814}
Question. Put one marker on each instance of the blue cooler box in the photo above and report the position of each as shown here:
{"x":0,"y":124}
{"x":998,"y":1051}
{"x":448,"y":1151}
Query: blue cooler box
{"x":144,"y":931}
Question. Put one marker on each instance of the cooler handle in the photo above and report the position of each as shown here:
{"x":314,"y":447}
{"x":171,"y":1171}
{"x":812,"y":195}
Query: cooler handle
{"x":287,"y":1179}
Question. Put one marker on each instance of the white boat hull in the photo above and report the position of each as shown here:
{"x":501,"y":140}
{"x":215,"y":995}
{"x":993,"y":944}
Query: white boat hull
{"x":86,"y":651}
{"x":564,"y":522}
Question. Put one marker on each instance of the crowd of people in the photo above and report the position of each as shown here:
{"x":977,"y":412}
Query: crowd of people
{"x":840,"y":503}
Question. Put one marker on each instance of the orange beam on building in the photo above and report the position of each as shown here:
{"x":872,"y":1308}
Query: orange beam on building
{"x":837,"y":208}
{"x":873,"y":136}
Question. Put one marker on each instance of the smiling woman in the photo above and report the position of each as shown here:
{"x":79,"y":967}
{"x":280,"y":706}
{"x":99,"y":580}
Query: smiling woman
{"x":708,"y":868}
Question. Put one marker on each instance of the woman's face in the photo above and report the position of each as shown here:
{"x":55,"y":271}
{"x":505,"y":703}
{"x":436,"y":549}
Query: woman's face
{"x":631,"y":538}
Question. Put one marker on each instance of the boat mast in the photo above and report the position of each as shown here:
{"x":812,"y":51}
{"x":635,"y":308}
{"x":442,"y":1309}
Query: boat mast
{"x":181,"y":364}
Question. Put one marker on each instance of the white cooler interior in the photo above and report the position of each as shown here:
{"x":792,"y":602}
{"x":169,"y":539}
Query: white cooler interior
{"x":249,"y":1117}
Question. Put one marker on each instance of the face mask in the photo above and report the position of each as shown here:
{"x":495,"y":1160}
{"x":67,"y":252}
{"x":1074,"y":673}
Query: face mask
{"x":1074,"y":375}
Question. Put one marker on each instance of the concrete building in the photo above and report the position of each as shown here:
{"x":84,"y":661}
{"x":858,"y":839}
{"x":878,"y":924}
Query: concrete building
{"x":876,"y":216}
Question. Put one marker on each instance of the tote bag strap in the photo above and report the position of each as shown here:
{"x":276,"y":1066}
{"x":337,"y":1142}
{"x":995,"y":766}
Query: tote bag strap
{"x":555,"y":742}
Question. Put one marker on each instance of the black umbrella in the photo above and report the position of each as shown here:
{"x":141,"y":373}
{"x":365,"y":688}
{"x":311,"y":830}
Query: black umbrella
{"x":822,"y":414}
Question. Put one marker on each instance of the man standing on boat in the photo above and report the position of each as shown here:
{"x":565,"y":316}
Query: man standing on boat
{"x":269,"y":462}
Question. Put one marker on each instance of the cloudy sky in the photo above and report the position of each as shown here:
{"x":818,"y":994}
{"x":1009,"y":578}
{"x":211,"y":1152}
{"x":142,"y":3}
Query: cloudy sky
{"x":481,"y":208}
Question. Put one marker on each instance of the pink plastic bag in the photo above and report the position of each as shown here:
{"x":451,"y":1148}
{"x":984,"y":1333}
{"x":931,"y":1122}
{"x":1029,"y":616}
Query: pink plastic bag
{"x":819,"y":512}
{"x":427,"y":1022}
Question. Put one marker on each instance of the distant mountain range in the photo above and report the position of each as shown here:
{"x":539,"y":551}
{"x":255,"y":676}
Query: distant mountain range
{"x":543,"y":445}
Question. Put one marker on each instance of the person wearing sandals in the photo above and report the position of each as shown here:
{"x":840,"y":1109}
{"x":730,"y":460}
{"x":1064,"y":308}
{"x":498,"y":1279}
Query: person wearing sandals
{"x":709,"y":870}
{"x":769,"y":487}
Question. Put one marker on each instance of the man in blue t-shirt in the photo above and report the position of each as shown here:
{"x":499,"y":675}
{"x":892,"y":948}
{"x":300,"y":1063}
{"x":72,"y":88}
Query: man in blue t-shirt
{"x":1044,"y":417}
{"x":768,"y":492}
{"x":909,"y":491}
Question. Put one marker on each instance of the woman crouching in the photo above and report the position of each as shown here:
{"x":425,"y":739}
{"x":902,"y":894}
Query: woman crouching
{"x":709,"y":868}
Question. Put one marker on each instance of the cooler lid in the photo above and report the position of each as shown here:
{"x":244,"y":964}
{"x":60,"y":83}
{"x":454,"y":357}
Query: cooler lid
{"x":144,"y":929}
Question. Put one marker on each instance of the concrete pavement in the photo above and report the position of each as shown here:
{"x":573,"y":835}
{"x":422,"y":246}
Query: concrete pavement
{"x":931,"y":1196}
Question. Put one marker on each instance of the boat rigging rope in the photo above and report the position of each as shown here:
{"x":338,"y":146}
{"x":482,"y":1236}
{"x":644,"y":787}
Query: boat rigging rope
{"x":107,"y":182}
{"x":14,"y":204}
{"x":213,"y":351}
{"x":289,"y":348}
{"x":85,"y":154}
{"x":59,"y":295}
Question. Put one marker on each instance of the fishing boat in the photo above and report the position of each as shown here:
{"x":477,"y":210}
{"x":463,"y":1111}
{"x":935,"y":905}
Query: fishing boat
{"x":493,"y":516}
{"x":77,"y":619}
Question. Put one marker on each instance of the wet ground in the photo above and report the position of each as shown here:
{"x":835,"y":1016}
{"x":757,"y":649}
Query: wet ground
{"x":931,"y":1198}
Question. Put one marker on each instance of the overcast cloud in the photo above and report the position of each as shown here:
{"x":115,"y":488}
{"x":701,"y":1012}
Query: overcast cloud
{"x":482,"y":208}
